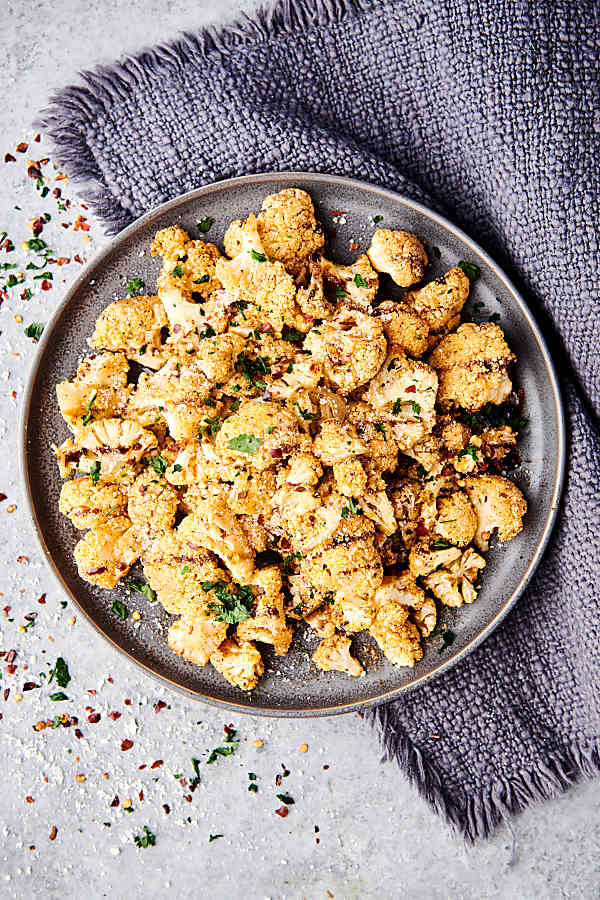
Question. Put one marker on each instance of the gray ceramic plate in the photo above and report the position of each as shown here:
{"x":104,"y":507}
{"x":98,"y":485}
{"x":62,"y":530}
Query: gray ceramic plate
{"x":292,"y":686}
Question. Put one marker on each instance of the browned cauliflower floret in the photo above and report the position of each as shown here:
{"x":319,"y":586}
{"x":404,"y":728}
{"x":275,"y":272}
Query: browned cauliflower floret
{"x":453,"y":582}
{"x":376,"y":505}
{"x":133,"y":325}
{"x":239,"y":662}
{"x":111,"y":448}
{"x":404,"y":328}
{"x":424,"y":558}
{"x":169,"y":241}
{"x":177,"y":395}
{"x":216,"y":356}
{"x":106,"y":553}
{"x":352,"y":347}
{"x":289,"y":231}
{"x":404,"y":393}
{"x":350,"y":477}
{"x":305,"y":598}
{"x":456,"y":519}
{"x":454,"y":435}
{"x":177,"y":568}
{"x":335,"y":443}
{"x":472,"y":365}
{"x":499,"y":504}
{"x":398,"y":253}
{"x":260,"y":434}
{"x":214,"y":526}
{"x":197,"y":637}
{"x":98,"y":391}
{"x":497,"y":442}
{"x":404,"y":589}
{"x":152,"y":502}
{"x":311,"y":297}
{"x":333,"y":654}
{"x":303,"y":469}
{"x":90,"y":505}
{"x":267,"y":622}
{"x":396,"y":634}
{"x":355,"y":285}
{"x":438,"y":304}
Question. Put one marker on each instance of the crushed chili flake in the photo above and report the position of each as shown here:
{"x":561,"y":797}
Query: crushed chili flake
{"x":78,"y":733}
{"x":156,"y":764}
{"x":160,"y":704}
{"x":30,"y":686}
{"x":115,"y":801}
{"x":141,"y":795}
{"x":23,"y":560}
{"x":126,"y":744}
{"x":80,"y":778}
{"x":22,"y":147}
{"x":166,"y":808}
{"x":37,"y":225}
{"x":34,"y":171}
{"x":127,"y":701}
{"x":11,"y":655}
{"x":2,"y":497}
{"x":42,"y":599}
{"x":46,"y":285}
{"x":142,"y":767}
{"x":411,"y":389}
{"x":283,"y":811}
{"x":114,"y":715}
{"x":37,"y":138}
{"x":53,"y":833}
{"x":8,"y":158}
{"x":29,"y":799}
{"x":94,"y":718}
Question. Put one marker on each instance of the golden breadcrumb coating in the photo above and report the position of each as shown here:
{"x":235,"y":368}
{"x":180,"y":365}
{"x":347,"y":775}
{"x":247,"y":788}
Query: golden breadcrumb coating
{"x":472,"y":366}
{"x":350,"y":477}
{"x":404,"y":328}
{"x":438,"y":303}
{"x":453,"y":583}
{"x":333,"y":654}
{"x":289,"y":232}
{"x":456,"y":519}
{"x":196,"y":637}
{"x":133,"y":325}
{"x":152,"y":502}
{"x":98,"y":391}
{"x":90,"y":505}
{"x":239,"y":662}
{"x":352,"y":347}
{"x":106,"y":553}
{"x":499,"y":505}
{"x":398,"y":253}
{"x":398,"y":637}
{"x":260,"y":434}
{"x":176,"y":568}
{"x":356,"y":284}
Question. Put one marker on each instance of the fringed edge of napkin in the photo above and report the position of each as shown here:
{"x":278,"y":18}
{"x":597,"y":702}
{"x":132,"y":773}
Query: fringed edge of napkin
{"x":476,"y":815}
{"x":70,"y":111}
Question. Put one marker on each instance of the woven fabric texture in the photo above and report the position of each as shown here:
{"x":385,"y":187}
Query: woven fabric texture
{"x":488,"y":112}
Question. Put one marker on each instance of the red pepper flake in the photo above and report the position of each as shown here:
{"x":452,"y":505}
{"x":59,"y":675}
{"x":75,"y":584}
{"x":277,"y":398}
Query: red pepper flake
{"x":8,"y":157}
{"x":42,"y":599}
{"x":166,"y":808}
{"x":10,"y":670}
{"x":127,"y":701}
{"x":30,"y":686}
{"x":83,"y":206}
{"x":80,"y":223}
{"x":37,"y":225}
{"x":37,"y":139}
{"x":29,"y":800}
{"x":92,"y":691}
{"x":325,"y":768}
{"x":188,"y":798}
{"x":2,"y":498}
{"x":142,"y":767}
{"x":353,"y":246}
{"x":141,"y":795}
{"x":34,"y":170}
{"x":110,"y":680}
{"x":78,"y":259}
{"x":339,"y":212}
{"x":63,"y":261}
{"x":78,"y":733}
{"x":411,"y":389}
{"x":94,"y":718}
{"x":160,"y":704}
{"x":46,"y":285}
{"x":23,"y":560}
{"x":156,"y":764}
{"x":126,"y":744}
{"x":22,"y":147}
{"x":6,"y":693}
{"x":114,"y":802}
{"x":421,"y":530}
{"x":10,"y":656}
{"x":53,"y":833}
{"x":114,"y":715}
{"x":282,"y":811}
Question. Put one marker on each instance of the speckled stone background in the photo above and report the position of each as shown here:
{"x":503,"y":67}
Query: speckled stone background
{"x":375,"y":837}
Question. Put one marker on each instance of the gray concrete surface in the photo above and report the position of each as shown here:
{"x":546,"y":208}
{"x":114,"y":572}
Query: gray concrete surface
{"x":377,"y":839}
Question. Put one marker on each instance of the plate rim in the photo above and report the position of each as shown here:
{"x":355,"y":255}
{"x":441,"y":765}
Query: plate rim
{"x":390,"y":195}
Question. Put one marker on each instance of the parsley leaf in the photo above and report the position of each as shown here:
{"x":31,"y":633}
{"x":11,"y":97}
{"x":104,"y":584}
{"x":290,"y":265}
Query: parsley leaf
{"x":135,"y":286}
{"x":258,"y":257}
{"x":469,"y":450}
{"x":205,"y":224}
{"x":440,"y":544}
{"x":34,"y":330}
{"x":232,"y":744}
{"x":397,"y":407}
{"x":58,"y":696}
{"x":245,"y":443}
{"x":340,"y":291}
{"x":377,"y":219}
{"x":359,"y":281}
{"x":288,"y":333}
{"x":87,"y":418}
{"x":436,"y":252}
{"x":415,"y":407}
{"x":147,"y":839}
{"x":60,"y":671}
{"x":213,"y":837}
{"x":305,"y":413}
{"x":95,"y":471}
{"x":285,"y":798}
{"x":159,"y":464}
{"x":233,"y":604}
{"x":448,"y":638}
{"x":177,"y":272}
{"x":470,"y":269}
{"x":119,"y":609}
{"x":136,"y":586}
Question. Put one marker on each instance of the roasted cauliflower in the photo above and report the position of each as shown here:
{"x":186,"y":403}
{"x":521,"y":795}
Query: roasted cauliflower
{"x":399,"y":254}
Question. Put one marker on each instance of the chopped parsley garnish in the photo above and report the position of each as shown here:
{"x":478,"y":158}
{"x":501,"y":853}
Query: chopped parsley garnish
{"x":397,"y":407}
{"x":60,"y":671}
{"x":204,"y":224}
{"x":158,"y":463}
{"x":253,"y":788}
{"x":470,"y":269}
{"x":415,"y":407}
{"x":381,"y":429}
{"x":147,"y":839}
{"x":34,"y":330}
{"x":204,"y":279}
{"x":493,"y":415}
{"x":469,"y":450}
{"x":258,"y":257}
{"x":252,"y":369}
{"x":95,"y":468}
{"x":195,"y":781}
{"x":352,"y":507}
{"x":135,"y":286}
{"x":340,"y":292}
{"x":177,"y":468}
{"x":37,"y":245}
{"x":207,"y":332}
{"x":234,"y":601}
{"x":119,"y":609}
{"x":288,"y":333}
{"x":232,"y":744}
{"x":440,"y":544}
{"x":212,"y":426}
{"x":177,"y":271}
{"x":377,"y":219}
{"x":87,"y":418}
{"x":285,"y":798}
{"x":359,"y":281}
{"x":448,"y":638}
{"x":214,"y":837}
{"x":235,"y":404}
{"x":436,"y":252}
{"x":136,"y":586}
{"x":245,"y":443}
{"x":58,"y":696}
{"x":305,"y":413}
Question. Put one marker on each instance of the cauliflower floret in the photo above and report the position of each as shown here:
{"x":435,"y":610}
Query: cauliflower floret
{"x":214,"y":526}
{"x":98,"y":391}
{"x":303,"y":469}
{"x":113,"y":447}
{"x":457,"y":520}
{"x":177,"y":568}
{"x":352,"y":347}
{"x":196,"y":637}
{"x":133,"y":325}
{"x":267,"y":623}
{"x":472,"y":366}
{"x":499,"y":504}
{"x":350,"y":477}
{"x":336,"y":442}
{"x":177,"y":395}
{"x":90,"y":505}
{"x":289,"y":231}
{"x":355,"y":284}
{"x":497,"y":442}
{"x":404,"y":589}
{"x":260,"y":434}
{"x":216,"y":356}
{"x":454,"y":435}
{"x":438,"y":304}
{"x":424,"y":558}
{"x":169,"y":241}
{"x":152,"y":502}
{"x":377,"y":506}
{"x":305,"y":598}
{"x":311,"y":297}
{"x":453,"y":582}
{"x":404,"y":393}
{"x":333,"y":654}
{"x":106,"y":553}
{"x":398,"y":253}
{"x":326,"y":620}
{"x":404,"y":328}
{"x":398,"y":637}
{"x":239,"y":662}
